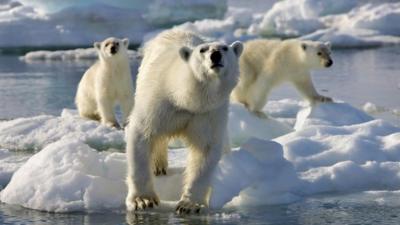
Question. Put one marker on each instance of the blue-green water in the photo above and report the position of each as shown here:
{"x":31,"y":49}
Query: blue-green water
{"x":357,"y":77}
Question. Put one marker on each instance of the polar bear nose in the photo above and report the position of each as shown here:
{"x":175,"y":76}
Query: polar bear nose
{"x":113,"y":49}
{"x":216,"y":57}
{"x":329,"y":63}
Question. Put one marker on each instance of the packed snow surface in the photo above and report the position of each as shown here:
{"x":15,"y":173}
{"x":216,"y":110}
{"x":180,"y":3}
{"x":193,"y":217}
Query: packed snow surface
{"x":332,"y":148}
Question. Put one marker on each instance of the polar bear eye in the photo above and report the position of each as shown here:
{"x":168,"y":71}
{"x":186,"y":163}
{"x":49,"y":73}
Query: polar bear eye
{"x":204,"y":49}
{"x":225,"y":48}
{"x":319,"y":53}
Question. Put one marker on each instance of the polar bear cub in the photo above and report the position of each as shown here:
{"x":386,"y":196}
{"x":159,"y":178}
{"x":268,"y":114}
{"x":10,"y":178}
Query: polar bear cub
{"x":265,"y":64}
{"x":183,"y":90}
{"x":106,"y":83}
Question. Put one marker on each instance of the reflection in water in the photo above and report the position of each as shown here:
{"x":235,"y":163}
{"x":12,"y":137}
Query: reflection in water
{"x":318,"y":210}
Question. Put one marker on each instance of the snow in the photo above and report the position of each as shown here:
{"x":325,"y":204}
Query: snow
{"x":346,"y":23}
{"x":9,"y":163}
{"x":332,"y":148}
{"x":35,"y":133}
{"x":73,"y":54}
{"x":81,"y":23}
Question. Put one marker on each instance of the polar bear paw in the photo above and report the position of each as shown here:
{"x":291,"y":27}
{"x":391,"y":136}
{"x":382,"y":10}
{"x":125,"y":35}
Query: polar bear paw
{"x":160,"y":171}
{"x":141,"y":202}
{"x":186,"y":207}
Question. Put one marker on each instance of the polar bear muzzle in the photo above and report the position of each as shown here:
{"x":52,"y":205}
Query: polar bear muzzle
{"x":215,"y":58}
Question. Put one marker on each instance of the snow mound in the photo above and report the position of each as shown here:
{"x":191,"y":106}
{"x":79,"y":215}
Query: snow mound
{"x":74,"y":54}
{"x":69,"y":176}
{"x":36,"y":132}
{"x":243,"y":125}
{"x":334,"y":114}
{"x":9,"y":163}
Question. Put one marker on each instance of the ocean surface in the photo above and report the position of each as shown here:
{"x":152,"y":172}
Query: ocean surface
{"x":358,"y":76}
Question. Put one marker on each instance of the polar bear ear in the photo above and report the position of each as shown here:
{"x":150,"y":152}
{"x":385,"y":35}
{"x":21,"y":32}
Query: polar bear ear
{"x":328,"y":45}
{"x":304,"y":46}
{"x":237,"y":47}
{"x":125,"y":41}
{"x":97,"y":45}
{"x":185,"y":53}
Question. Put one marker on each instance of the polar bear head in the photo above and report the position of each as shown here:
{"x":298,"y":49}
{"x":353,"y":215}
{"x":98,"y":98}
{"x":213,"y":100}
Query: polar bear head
{"x":213,"y":60}
{"x":317,"y":54}
{"x":112,"y":48}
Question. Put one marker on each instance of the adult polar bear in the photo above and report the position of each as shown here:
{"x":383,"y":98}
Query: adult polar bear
{"x":183,"y":89}
{"x":265,"y":64}
{"x":106,"y":83}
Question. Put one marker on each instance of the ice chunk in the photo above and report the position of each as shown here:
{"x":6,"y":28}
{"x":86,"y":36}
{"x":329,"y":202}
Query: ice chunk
{"x":36,"y":132}
{"x":243,"y":124}
{"x":335,"y":114}
{"x":68,"y":176}
{"x":74,"y":54}
{"x":9,"y":163}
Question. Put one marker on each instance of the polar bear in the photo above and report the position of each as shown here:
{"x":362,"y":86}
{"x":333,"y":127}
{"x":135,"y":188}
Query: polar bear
{"x":183,"y":90}
{"x":107,"y":83}
{"x":265,"y":64}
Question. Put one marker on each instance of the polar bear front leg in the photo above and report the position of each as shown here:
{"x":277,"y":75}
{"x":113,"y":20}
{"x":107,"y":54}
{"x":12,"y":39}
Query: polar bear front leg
{"x":206,"y":147}
{"x":141,"y":192}
{"x":106,"y":110}
{"x":306,"y":87}
{"x":257,"y":96}
{"x":160,"y":156}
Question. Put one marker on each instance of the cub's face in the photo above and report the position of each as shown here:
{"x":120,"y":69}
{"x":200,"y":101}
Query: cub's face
{"x":318,"y":54}
{"x":213,"y":60}
{"x":111,"y":47}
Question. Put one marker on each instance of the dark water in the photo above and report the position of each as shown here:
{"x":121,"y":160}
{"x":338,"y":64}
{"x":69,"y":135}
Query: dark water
{"x":357,"y":77}
{"x":320,"y":210}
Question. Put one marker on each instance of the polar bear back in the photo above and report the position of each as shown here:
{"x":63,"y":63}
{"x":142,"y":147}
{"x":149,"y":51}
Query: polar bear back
{"x":267,"y":56}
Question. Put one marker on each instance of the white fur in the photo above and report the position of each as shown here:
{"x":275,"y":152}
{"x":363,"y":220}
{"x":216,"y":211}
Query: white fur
{"x":106,"y":83}
{"x":265,"y":64}
{"x":178,"y":94}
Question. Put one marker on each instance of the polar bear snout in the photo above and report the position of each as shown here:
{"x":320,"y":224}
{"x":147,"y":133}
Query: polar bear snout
{"x":328,"y":63}
{"x":215,"y":58}
{"x":114,"y":47}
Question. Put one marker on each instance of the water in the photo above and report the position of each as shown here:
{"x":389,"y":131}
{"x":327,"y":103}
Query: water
{"x":357,"y":77}
{"x":317,"y":210}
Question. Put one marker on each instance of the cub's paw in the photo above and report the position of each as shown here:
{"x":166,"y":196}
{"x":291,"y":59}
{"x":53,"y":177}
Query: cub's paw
{"x":141,"y":202}
{"x":160,"y":171}
{"x":187,"y":207}
{"x":322,"y":98}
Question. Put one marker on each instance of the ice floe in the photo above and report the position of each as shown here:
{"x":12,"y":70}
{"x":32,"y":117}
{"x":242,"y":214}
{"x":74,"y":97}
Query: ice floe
{"x":335,"y":148}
